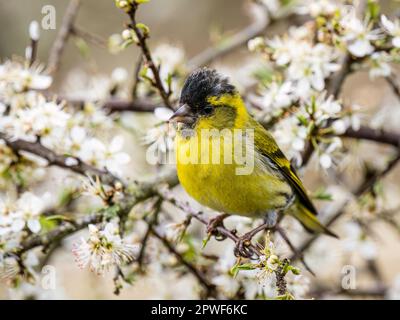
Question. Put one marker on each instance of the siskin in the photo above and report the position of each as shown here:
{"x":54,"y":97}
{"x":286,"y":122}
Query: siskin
{"x":229,"y":162}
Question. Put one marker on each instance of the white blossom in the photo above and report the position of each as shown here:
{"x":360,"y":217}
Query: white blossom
{"x":9,"y":268}
{"x":45,"y":119}
{"x":171,"y":61}
{"x":276,"y":96}
{"x":227,"y":284}
{"x":25,"y":213}
{"x":34,"y":30}
{"x":114,"y":158}
{"x":160,"y":138}
{"x":380,"y":66}
{"x":318,"y":7}
{"x":95,"y":152}
{"x":255,"y":44}
{"x":393,"y":292}
{"x":103,"y":249}
{"x":298,"y":285}
{"x":358,"y":35}
{"x":162,"y":113}
{"x":357,"y":242}
{"x":393,"y":29}
{"x":119,"y":75}
{"x":307,"y":65}
{"x":18,"y":77}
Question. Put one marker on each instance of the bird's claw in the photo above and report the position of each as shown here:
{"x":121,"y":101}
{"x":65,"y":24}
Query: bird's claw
{"x":213,"y":224}
{"x":242,"y":248}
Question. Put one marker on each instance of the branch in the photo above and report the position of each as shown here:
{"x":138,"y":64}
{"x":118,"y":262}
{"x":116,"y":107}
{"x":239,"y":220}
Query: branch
{"x":378,"y":291}
{"x":67,"y":228}
{"x":375,"y":135}
{"x":136,"y":77}
{"x":89,"y":37}
{"x":363,"y":188}
{"x":335,"y":84}
{"x":59,"y":160}
{"x":210,"y":288}
{"x":62,"y":36}
{"x":141,"y":192}
{"x":221,"y":230}
{"x":395,"y":87}
{"x":137,"y":105}
{"x":142,"y":43}
{"x":260,"y":23}
{"x":150,"y":224}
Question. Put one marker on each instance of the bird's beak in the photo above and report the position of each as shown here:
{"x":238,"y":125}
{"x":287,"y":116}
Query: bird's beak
{"x":184,"y":114}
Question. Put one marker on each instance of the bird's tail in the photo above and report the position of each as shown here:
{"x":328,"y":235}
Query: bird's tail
{"x":309,"y":220}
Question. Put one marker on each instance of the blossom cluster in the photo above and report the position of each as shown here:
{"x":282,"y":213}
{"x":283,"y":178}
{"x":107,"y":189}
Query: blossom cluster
{"x":258,"y":278}
{"x":294,"y":88}
{"x":103,"y":249}
{"x":29,"y":116}
{"x":18,"y":219}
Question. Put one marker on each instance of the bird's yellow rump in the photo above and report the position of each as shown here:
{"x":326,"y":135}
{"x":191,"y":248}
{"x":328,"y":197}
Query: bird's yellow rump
{"x":228,"y":162}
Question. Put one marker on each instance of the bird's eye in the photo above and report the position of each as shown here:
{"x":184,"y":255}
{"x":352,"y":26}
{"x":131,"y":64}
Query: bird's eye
{"x":207,"y":110}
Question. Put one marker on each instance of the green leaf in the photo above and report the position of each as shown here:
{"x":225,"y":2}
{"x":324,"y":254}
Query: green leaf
{"x":143,"y":71}
{"x":286,"y":296}
{"x":47,"y":224}
{"x":321,"y":194}
{"x":66,"y":196}
{"x":205,"y":241}
{"x":169,"y":80}
{"x":373,"y":9}
{"x":237,"y":267}
{"x":111,"y":212}
{"x":141,"y":1}
{"x":130,"y":278}
{"x":83,"y":47}
{"x":264,"y":75}
{"x":126,"y":43}
{"x":190,"y":254}
{"x":246,"y":266}
{"x":57,"y":217}
{"x":145,"y":29}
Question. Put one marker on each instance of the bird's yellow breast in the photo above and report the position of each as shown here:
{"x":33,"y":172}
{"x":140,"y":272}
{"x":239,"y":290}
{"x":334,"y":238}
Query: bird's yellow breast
{"x":212,"y":178}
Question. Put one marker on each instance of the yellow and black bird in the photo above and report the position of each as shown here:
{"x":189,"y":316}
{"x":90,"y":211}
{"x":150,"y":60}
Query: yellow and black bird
{"x":209,"y":103}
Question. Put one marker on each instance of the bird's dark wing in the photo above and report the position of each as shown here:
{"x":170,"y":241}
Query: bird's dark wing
{"x":267,"y":146}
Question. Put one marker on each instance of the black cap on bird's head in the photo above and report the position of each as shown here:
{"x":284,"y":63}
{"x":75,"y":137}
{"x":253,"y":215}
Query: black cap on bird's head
{"x":199,"y":86}
{"x":204,"y":83}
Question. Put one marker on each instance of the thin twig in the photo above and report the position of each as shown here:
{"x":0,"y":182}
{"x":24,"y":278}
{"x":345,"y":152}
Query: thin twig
{"x":68,"y":162}
{"x":335,"y":84}
{"x":394,"y":85}
{"x":363,"y":188}
{"x":136,"y":78}
{"x":210,"y":288}
{"x":261,"y":20}
{"x":142,"y":43}
{"x":89,"y":37}
{"x":146,"y":236}
{"x":143,"y":191}
{"x":62,"y":36}
{"x":376,"y":135}
{"x":294,"y":249}
{"x":34,"y":47}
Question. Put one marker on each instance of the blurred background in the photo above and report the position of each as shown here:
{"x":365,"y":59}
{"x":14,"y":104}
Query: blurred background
{"x":193,"y":25}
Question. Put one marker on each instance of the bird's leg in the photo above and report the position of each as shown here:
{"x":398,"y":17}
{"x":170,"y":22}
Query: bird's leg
{"x":242,"y":245}
{"x":271,"y":218}
{"x":216,"y":222}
